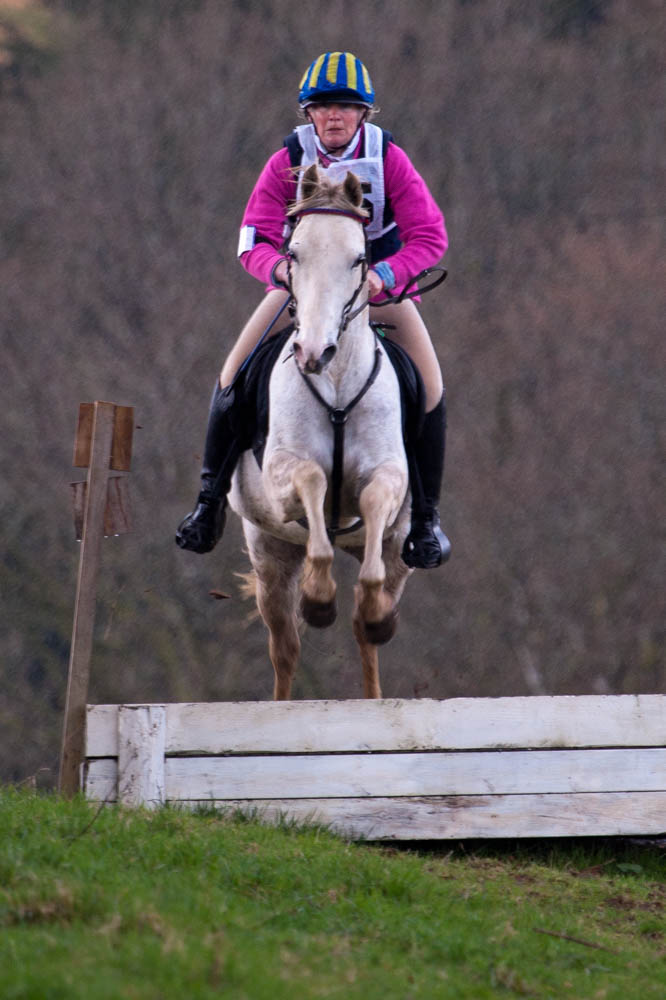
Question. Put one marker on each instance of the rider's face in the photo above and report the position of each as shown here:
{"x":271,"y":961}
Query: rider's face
{"x":336,"y":124}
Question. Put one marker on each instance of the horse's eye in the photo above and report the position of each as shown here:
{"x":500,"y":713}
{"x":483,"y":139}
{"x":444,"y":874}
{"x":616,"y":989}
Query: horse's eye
{"x":291,"y":255}
{"x":359,"y":260}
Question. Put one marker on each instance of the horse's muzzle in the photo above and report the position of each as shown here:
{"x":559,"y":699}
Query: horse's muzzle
{"x":308,"y":363}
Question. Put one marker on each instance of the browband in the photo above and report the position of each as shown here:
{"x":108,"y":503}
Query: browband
{"x":363,"y":219}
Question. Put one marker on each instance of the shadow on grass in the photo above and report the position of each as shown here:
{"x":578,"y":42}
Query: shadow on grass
{"x":640,"y":856}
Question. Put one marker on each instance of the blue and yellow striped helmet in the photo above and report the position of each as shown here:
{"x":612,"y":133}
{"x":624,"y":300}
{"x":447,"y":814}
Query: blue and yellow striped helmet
{"x":336,"y":76}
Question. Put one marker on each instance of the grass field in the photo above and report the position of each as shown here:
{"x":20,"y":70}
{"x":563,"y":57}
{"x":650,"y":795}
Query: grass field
{"x":152,"y":906}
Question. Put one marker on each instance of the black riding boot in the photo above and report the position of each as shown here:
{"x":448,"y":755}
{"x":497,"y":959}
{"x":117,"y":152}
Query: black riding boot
{"x":201,"y":530}
{"x":426,"y":545}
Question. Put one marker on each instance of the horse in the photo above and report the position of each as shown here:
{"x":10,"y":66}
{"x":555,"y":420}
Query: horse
{"x":334,"y":449}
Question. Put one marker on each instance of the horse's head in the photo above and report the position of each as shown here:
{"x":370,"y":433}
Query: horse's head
{"x":327,"y":264}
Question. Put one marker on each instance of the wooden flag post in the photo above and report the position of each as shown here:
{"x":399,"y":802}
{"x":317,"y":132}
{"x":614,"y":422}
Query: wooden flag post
{"x":103,"y":442}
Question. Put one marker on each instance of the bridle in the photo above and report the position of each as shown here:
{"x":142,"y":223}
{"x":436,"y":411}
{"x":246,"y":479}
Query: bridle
{"x":338,"y":415}
{"x":346,"y":315}
{"x":348,"y":312}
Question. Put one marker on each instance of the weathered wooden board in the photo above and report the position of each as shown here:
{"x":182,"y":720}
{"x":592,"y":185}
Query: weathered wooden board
{"x":141,"y":779}
{"x":100,"y":779}
{"x":461,"y":817}
{"x":505,"y":767}
{"x":399,"y":724}
{"x":580,"y":814}
{"x":121,"y":444}
{"x":392,"y":775}
{"x":117,"y":514}
{"x":406,"y":774}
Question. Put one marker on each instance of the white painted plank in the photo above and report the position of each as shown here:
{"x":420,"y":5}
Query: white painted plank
{"x":141,"y":745}
{"x":422,"y":774}
{"x":102,"y":731}
{"x":508,"y":772}
{"x":100,"y":782}
{"x":472,"y":723}
{"x":445,"y":817}
{"x":458,"y":818}
{"x":400,"y":724}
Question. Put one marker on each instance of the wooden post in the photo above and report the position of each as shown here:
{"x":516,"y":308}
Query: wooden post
{"x":141,"y":748}
{"x":103,"y":441}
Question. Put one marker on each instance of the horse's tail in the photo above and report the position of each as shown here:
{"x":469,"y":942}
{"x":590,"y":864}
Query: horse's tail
{"x":248,"y":591}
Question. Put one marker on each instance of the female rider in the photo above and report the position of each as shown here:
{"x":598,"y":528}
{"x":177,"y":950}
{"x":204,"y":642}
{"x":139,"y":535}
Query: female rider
{"x":406,"y":234}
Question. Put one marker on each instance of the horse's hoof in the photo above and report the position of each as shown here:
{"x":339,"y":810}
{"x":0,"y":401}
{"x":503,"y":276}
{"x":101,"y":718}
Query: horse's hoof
{"x":317,"y":614}
{"x":379,"y":633}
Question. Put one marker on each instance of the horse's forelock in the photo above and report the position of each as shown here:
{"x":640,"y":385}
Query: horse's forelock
{"x":325,"y":193}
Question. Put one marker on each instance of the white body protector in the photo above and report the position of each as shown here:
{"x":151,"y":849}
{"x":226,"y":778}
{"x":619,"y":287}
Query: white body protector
{"x":368,"y":168}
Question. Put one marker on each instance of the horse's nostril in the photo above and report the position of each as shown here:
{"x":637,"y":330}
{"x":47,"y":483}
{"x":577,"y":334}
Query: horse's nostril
{"x":327,"y":355}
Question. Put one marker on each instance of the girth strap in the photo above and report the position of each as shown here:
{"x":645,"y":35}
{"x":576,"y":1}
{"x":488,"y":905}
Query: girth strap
{"x":338,"y":417}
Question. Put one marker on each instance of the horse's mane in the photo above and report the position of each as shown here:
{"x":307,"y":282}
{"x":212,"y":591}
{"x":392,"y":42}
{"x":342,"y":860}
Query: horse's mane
{"x":322,"y":192}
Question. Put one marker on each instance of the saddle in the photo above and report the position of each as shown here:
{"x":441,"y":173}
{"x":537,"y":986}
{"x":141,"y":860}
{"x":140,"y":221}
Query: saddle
{"x":252,"y":384}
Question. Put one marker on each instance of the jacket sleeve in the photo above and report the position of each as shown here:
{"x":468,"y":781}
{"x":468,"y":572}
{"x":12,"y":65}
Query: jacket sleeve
{"x":419,"y":220}
{"x":266,"y":212}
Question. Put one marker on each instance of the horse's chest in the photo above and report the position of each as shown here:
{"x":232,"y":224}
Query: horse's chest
{"x":301,"y":424}
{"x":300,"y":429}
{"x":358,"y":445}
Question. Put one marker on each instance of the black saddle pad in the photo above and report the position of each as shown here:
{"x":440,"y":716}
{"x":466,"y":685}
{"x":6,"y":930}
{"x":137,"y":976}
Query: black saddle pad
{"x":253,"y":383}
{"x":412,"y":390}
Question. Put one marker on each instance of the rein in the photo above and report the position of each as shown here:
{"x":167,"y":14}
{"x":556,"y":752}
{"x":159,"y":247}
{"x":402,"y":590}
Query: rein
{"x":392,"y":300}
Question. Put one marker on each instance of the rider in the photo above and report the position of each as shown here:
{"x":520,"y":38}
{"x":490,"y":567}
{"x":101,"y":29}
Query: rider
{"x":406,"y":233}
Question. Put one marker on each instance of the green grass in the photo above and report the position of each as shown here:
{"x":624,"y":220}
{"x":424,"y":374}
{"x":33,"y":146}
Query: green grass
{"x":154,"y":906}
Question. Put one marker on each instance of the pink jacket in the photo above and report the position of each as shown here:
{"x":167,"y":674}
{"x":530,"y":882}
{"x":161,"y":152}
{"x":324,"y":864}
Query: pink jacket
{"x":419,"y":220}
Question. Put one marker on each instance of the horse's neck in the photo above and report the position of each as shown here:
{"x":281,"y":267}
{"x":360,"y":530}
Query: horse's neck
{"x":354,"y":359}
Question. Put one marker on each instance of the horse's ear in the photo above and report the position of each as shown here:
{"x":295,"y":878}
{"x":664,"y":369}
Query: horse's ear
{"x":310,"y":181}
{"x":353,"y":190}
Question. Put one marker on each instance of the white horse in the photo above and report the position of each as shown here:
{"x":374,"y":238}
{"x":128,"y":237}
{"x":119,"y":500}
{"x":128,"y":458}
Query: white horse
{"x":332,"y":370}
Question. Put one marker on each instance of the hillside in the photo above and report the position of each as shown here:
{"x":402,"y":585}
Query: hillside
{"x":166,"y":904}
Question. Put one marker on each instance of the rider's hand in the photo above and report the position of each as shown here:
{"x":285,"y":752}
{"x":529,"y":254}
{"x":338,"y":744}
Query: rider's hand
{"x":375,"y":284}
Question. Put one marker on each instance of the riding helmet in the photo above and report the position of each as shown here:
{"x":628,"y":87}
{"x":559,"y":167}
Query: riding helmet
{"x":336,"y":76}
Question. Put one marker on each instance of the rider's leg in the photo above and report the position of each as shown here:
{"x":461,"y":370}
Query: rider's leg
{"x":412,"y":335}
{"x":426,"y":546}
{"x":252,"y":331}
{"x":200,"y":530}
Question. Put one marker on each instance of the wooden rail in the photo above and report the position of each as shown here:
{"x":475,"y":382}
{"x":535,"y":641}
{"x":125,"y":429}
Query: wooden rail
{"x":397,"y":769}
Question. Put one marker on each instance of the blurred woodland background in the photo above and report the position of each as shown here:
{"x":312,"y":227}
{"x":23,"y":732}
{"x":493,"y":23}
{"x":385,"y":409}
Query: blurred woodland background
{"x":132,"y":132}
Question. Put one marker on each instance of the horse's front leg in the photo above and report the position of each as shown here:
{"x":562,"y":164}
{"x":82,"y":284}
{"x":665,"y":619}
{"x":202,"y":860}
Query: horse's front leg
{"x":298,"y":486}
{"x":379,"y":502}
